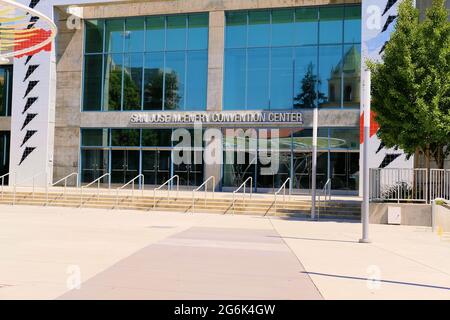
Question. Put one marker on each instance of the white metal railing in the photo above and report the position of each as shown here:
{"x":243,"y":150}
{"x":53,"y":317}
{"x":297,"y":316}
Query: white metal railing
{"x":168,"y":188}
{"x":98,"y":187}
{"x":398,"y":184}
{"x":204,"y":184}
{"x":132,"y":182}
{"x":65,"y":184}
{"x":33,"y":179}
{"x":3,"y":180}
{"x":439,"y":184}
{"x":326,"y":192}
{"x":243,"y":185}
{"x":283,"y":187}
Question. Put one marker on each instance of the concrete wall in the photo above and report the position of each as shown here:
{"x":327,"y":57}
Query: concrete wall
{"x":442,"y":219}
{"x":5,"y":123}
{"x":412,"y":214}
{"x":69,"y":46}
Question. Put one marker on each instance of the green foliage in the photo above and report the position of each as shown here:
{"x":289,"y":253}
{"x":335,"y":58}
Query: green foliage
{"x":308,"y":96}
{"x":411,"y":86}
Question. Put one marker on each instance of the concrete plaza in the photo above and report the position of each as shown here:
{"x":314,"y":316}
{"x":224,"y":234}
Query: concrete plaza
{"x":45,"y":253}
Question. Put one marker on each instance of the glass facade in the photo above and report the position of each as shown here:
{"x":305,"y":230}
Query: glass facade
{"x":146,"y":63}
{"x":127,"y":153}
{"x":284,"y":59}
{"x":5,"y":90}
{"x":338,"y":159}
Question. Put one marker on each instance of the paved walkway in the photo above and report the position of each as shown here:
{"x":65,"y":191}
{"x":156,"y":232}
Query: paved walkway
{"x":134,"y":255}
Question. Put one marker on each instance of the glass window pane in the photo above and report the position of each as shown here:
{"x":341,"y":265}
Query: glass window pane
{"x":156,"y":137}
{"x":282,"y":27}
{"x":134,"y":35}
{"x":176,"y":32}
{"x":94,"y":36}
{"x":306,"y":26}
{"x":94,"y":137}
{"x":331,"y":24}
{"x":306,"y":86}
{"x":5,"y":90}
{"x":258,"y":79}
{"x":281,"y":83}
{"x":344,"y":138}
{"x":114,"y":35}
{"x":352,"y":24}
{"x":174,"y":81}
{"x":112,"y":90}
{"x":259,"y":28}
{"x":132,"y":81}
{"x":196,"y":83}
{"x":2,"y":92}
{"x":94,"y":164}
{"x":92,"y":87}
{"x":153,"y":81}
{"x":198,"y":32}
{"x":236,"y":30}
{"x":330,"y":75}
{"x":234,"y":79}
{"x":352,"y":76}
{"x":155,"y":34}
{"x":125,"y":137}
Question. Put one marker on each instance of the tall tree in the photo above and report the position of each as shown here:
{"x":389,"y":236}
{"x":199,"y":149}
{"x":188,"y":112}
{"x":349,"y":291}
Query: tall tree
{"x":411,"y":85}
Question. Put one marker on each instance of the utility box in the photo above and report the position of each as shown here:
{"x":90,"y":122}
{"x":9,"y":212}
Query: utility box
{"x":394,"y":215}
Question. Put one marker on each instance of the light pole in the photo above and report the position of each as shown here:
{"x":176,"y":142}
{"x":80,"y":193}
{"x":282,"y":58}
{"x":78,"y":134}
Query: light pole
{"x":314,"y":162}
{"x":365,"y":168}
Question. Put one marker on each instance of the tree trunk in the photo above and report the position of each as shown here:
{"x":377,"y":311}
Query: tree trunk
{"x":439,"y":157}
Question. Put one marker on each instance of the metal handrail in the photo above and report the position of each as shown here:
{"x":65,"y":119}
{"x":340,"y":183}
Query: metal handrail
{"x":98,"y":186}
{"x":205,"y":184}
{"x":326,"y":190}
{"x":33,"y":178}
{"x":168,"y":189}
{"x":3,"y":180}
{"x":283,"y":187}
{"x":243,"y":185}
{"x":65,"y":184}
{"x":132,"y":189}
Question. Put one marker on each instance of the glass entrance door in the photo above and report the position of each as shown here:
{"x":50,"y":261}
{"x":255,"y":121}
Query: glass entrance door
{"x":190,"y":174}
{"x":156,"y":166}
{"x":94,"y":164}
{"x":124,"y":165}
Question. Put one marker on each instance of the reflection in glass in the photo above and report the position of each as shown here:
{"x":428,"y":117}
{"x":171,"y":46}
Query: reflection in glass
{"x":330,"y":75}
{"x":156,"y":137}
{"x":125,"y":137}
{"x":174,"y":81}
{"x":196,"y":82}
{"x":92,"y":90}
{"x":95,"y":137}
{"x":306,"y":79}
{"x":5,"y":90}
{"x":258,"y":79}
{"x":94,"y":164}
{"x":306,"y":26}
{"x":124,"y":165}
{"x":94,"y":36}
{"x":259,"y":28}
{"x":351,"y":67}
{"x":114,"y":35}
{"x":176,"y":33}
{"x":331,"y":25}
{"x":234,"y":79}
{"x":132,"y":81}
{"x":4,"y":154}
{"x":134,"y":34}
{"x":112,"y":91}
{"x":352,"y":24}
{"x":155,"y":33}
{"x":281,"y":84}
{"x":153,"y":81}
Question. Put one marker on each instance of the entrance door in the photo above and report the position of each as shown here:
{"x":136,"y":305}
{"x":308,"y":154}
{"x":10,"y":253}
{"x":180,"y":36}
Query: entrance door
{"x":124,"y":165}
{"x":156,"y":166}
{"x":190,"y":174}
{"x":94,"y":164}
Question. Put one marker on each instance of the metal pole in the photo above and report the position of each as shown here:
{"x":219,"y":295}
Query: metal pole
{"x":365,"y":169}
{"x":314,"y":162}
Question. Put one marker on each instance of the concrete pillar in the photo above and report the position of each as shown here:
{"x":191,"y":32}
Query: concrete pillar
{"x":215,"y":60}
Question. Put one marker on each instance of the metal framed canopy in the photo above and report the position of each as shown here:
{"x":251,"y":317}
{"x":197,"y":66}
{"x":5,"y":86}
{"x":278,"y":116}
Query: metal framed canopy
{"x":19,"y":35}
